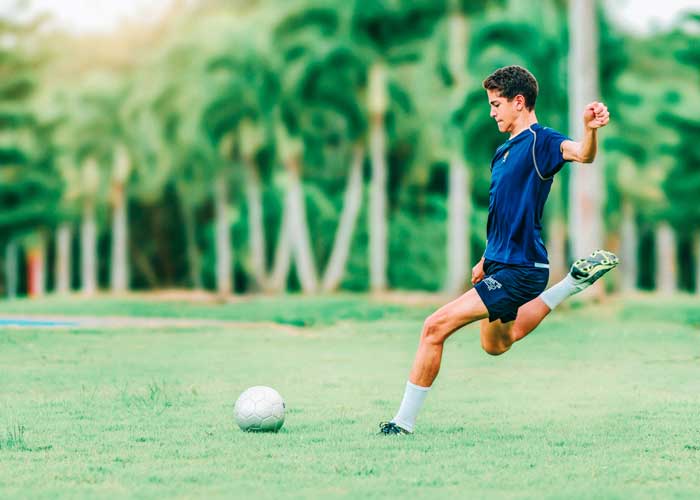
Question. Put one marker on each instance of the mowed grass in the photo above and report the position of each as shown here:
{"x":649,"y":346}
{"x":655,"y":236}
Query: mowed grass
{"x":599,"y":402}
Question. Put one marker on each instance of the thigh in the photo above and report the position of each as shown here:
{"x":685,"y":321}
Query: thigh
{"x":465,"y":309}
{"x":496,"y":333}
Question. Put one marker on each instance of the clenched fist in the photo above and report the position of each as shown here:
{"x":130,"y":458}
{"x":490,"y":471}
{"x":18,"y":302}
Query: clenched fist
{"x":596,"y":115}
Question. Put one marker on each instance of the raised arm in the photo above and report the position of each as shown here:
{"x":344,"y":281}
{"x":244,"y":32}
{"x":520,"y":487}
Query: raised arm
{"x":595,"y":116}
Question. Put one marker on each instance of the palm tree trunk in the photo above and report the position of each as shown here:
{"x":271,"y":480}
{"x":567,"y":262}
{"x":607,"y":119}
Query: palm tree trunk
{"x":299,"y":229}
{"x":458,"y":197}
{"x":459,"y":212}
{"x":629,"y":266}
{"x":666,"y":267}
{"x":120,"y":241}
{"x":556,"y":235}
{"x":378,"y":195}
{"x":346,"y":227}
{"x":255,"y":224}
{"x":696,"y":254}
{"x":63,"y":258}
{"x":88,"y":249}
{"x":11,"y":268}
{"x":36,"y":267}
{"x":283,"y":256}
{"x":224,"y":253}
{"x":586,"y":185}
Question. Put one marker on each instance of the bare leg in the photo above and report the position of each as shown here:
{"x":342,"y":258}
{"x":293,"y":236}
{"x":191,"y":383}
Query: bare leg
{"x":437,"y":328}
{"x":583,"y":273}
{"x":530,"y":315}
{"x":497,"y":337}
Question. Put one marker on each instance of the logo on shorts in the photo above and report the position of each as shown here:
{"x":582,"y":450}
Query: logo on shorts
{"x":492,"y":284}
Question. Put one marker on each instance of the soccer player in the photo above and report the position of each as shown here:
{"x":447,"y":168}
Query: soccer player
{"x":509,"y":281}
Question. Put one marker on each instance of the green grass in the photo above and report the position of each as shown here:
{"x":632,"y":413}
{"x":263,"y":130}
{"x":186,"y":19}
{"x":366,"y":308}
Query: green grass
{"x":599,"y":402}
{"x":291,"y":310}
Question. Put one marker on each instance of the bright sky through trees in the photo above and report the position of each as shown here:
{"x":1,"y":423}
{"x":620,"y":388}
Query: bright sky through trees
{"x":105,"y":15}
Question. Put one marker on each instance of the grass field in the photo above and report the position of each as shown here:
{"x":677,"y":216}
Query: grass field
{"x":599,"y":402}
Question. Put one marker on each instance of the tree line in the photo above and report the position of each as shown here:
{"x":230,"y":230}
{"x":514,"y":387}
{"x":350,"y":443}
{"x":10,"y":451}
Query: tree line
{"x":317,"y":145}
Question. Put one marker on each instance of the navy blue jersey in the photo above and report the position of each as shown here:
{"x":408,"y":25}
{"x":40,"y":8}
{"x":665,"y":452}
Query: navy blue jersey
{"x":521,"y":177}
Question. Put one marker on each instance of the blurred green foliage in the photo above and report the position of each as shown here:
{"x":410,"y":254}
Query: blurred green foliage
{"x":206,"y":89}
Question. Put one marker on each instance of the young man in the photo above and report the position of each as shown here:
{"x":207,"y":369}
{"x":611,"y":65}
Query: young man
{"x":511,"y":276}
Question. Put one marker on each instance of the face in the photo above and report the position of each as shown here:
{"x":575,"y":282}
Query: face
{"x":505,"y":112}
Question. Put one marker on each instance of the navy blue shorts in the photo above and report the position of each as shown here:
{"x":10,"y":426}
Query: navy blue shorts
{"x":506,"y":287}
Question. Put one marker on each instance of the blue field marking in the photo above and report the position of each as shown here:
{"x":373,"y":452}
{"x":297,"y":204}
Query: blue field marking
{"x":33,"y":322}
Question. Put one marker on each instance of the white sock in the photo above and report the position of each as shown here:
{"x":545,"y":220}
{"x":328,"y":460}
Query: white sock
{"x":413,"y":399}
{"x":558,"y":293}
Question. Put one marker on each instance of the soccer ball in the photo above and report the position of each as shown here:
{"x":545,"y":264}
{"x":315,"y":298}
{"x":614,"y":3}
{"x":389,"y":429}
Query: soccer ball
{"x":259,"y":409}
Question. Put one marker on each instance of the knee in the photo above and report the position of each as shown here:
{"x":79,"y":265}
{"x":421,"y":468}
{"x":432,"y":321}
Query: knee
{"x":434,"y":329}
{"x":495,"y":349}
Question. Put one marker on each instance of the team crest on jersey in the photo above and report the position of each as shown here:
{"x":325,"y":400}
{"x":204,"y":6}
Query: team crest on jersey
{"x":492,"y":284}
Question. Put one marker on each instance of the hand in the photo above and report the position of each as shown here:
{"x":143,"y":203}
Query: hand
{"x":596,"y":115}
{"x":478,"y":272}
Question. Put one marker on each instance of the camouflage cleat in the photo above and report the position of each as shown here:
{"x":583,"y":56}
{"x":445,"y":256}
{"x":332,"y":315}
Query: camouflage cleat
{"x":586,"y":271}
{"x":390,"y":428}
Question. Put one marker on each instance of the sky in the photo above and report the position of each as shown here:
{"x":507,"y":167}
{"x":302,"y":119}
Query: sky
{"x":85,"y":16}
{"x":92,"y":16}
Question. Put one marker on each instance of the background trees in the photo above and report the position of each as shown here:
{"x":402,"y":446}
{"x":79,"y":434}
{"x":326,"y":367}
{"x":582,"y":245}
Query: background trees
{"x":29,"y":184}
{"x":349,"y":142}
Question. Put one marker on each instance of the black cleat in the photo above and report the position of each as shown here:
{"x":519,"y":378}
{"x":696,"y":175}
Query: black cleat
{"x":390,"y":428}
{"x":586,"y":271}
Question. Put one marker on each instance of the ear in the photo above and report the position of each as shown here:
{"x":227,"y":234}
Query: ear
{"x":519,"y":102}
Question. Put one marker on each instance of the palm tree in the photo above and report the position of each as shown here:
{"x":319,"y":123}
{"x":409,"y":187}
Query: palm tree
{"x":62,"y":266}
{"x":315,"y":91}
{"x":333,"y":125}
{"x":88,"y":229}
{"x":119,"y":260}
{"x":696,"y":255}
{"x":31,"y":187}
{"x":640,"y":194}
{"x":377,"y":107}
{"x":11,"y":268}
{"x":87,"y":138}
{"x":666,"y":259}
{"x":242,"y":87}
{"x":459,"y":196}
{"x":252,"y":138}
{"x":69,"y":206}
{"x":629,"y":239}
{"x":244,"y":106}
{"x":683,"y":180}
{"x":297,"y":231}
{"x":36,"y":264}
{"x":352,"y":200}
{"x":586,"y":185}
{"x":390,"y":33}
{"x":222,"y":215}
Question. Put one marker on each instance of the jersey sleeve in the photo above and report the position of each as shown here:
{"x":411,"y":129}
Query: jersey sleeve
{"x":548,"y":153}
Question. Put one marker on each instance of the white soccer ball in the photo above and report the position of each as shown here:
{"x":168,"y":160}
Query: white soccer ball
{"x":259,"y":409}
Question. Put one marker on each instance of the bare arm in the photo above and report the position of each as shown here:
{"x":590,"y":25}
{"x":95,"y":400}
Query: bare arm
{"x":595,"y":116}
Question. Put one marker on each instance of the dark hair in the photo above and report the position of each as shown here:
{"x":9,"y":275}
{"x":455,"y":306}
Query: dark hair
{"x":511,"y":81}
